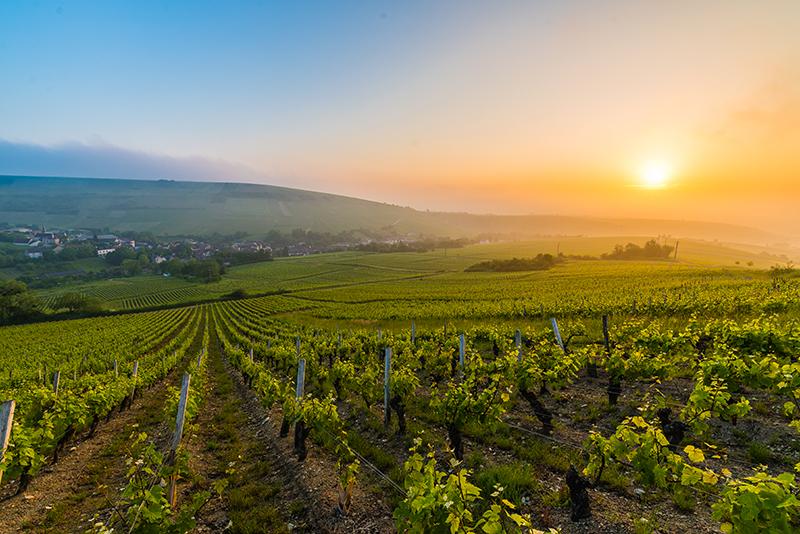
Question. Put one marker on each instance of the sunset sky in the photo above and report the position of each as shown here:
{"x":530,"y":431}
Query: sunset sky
{"x":679,"y":109}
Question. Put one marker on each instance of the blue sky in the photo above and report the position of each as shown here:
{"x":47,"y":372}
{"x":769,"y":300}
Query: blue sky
{"x":173,"y":76}
{"x":505,"y":106}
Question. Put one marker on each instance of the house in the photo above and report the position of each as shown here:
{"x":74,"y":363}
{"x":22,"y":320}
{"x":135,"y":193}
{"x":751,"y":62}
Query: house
{"x":34,"y":254}
{"x":103,"y":252}
{"x":48,"y":239}
{"x":250,"y":246}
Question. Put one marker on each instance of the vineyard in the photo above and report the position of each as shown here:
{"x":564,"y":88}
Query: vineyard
{"x":424,"y":284}
{"x":390,"y":392}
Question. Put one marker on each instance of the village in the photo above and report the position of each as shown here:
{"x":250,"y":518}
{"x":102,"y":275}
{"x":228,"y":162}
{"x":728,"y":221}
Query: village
{"x":44,"y":257}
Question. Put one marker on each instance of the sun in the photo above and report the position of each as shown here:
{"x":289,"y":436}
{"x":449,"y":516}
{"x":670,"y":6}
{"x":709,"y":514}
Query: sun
{"x":655,"y":174}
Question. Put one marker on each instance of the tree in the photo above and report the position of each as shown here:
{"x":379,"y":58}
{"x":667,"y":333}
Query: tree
{"x":17,"y":303}
{"x":74,"y":302}
{"x":117,"y":257}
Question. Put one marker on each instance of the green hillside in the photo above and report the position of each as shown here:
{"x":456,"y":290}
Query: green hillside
{"x":180,"y":208}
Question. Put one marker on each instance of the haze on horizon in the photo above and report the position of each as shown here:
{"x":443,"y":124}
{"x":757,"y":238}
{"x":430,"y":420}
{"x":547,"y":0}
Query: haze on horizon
{"x":679,"y":110}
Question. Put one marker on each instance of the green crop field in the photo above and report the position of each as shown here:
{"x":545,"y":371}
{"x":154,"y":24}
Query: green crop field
{"x":437,"y":276}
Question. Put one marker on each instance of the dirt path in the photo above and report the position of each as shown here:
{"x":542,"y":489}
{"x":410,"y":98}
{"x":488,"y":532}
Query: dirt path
{"x":309,"y":489}
{"x":225,"y":445}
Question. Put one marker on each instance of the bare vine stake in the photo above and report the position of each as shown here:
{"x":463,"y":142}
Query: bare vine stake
{"x":200,"y":358}
{"x":298,"y":346}
{"x":557,"y":333}
{"x":135,"y":375}
{"x":116,"y":369}
{"x":56,"y":380}
{"x":387,"y":372}
{"x":413,"y":333}
{"x":461,"y":347}
{"x":176,"y":438}
{"x":301,"y":378}
{"x":606,"y":340}
{"x":6,"y":420}
{"x":380,"y":334}
{"x":518,"y":343}
{"x":251,"y":354}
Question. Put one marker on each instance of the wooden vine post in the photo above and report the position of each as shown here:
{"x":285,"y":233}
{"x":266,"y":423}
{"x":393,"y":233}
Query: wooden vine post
{"x":116,"y":368}
{"x":300,"y":430}
{"x":518,"y":343}
{"x":614,"y":389}
{"x":301,"y":379}
{"x":56,"y":380}
{"x":557,"y":333}
{"x":387,"y":372}
{"x":461,"y":350}
{"x":180,"y":418}
{"x":251,"y":354}
{"x":135,"y":379}
{"x":6,"y":420}
{"x":413,"y":333}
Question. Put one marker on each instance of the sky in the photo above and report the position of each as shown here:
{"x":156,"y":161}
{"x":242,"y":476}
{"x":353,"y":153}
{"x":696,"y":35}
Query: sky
{"x":680,"y":109}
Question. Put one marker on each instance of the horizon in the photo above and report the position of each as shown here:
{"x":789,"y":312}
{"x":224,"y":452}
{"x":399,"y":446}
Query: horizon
{"x":445,"y":212}
{"x":678,"y":113}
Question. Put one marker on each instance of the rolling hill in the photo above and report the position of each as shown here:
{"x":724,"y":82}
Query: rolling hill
{"x":173,"y":208}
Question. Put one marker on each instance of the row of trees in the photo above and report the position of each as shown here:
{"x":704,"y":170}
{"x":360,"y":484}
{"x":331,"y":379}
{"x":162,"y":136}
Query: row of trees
{"x":132,"y":263}
{"x":650,"y":251}
{"x":541,"y":262}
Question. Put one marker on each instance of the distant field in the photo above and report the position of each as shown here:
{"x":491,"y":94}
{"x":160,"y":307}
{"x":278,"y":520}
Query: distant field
{"x":387,"y":287}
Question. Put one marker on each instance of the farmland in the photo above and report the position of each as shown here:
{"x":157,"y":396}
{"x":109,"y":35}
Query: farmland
{"x":439,"y":274}
{"x":658,"y":423}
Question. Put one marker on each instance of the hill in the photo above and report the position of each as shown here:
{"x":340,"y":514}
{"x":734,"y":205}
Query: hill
{"x":168,"y":207}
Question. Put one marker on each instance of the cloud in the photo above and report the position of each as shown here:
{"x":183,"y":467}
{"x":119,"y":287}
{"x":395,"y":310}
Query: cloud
{"x":108,"y":161}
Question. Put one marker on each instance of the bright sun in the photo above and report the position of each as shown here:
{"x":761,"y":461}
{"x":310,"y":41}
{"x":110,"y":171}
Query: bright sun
{"x":655,"y":174}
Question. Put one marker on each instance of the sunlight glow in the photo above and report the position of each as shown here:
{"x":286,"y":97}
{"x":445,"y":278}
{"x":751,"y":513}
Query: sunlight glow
{"x":655,"y":175}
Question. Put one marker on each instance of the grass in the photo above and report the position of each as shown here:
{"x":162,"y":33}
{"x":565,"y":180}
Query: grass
{"x":517,"y":480}
{"x":759,"y":453}
{"x":253,"y":502}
